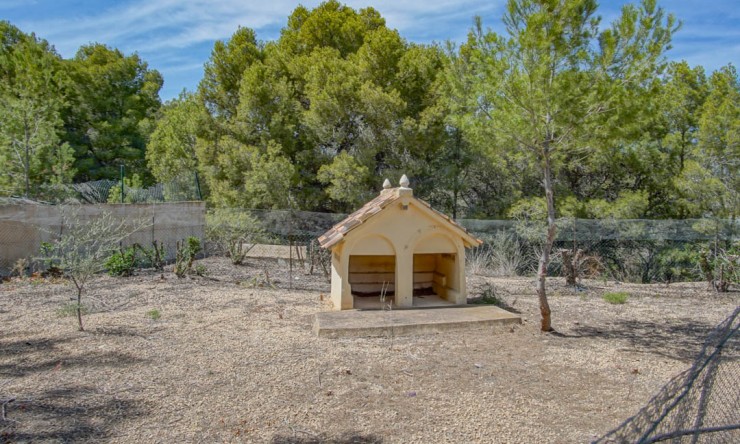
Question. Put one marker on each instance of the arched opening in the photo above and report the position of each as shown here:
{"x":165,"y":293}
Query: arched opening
{"x":372,"y":273}
{"x":435,"y":271}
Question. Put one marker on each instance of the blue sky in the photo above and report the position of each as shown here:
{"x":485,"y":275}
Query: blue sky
{"x":176,"y":36}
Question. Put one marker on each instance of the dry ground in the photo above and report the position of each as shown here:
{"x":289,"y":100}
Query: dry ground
{"x":230,"y":360}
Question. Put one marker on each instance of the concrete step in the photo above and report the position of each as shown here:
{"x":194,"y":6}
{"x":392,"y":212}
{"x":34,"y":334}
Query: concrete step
{"x":363,"y":323}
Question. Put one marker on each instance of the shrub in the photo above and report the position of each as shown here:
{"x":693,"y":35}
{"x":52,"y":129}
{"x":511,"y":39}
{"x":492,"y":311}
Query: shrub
{"x":233,"y":233}
{"x":617,"y":297}
{"x":478,"y":260}
{"x":81,"y":251}
{"x":122,"y":263}
{"x":507,"y":254}
{"x":156,"y":255}
{"x":721,"y":268}
{"x":578,"y":264}
{"x":19,"y":268}
{"x":487,"y":296}
{"x":185,"y":255}
{"x":48,"y":261}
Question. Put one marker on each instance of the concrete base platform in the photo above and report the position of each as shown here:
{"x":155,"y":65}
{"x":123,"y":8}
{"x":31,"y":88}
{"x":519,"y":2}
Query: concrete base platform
{"x":361,"y":323}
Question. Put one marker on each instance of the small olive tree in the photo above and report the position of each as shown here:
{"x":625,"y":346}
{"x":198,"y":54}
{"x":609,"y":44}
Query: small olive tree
{"x":81,"y":250}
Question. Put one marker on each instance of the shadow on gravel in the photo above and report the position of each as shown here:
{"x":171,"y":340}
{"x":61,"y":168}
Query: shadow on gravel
{"x":345,"y":438}
{"x":24,"y":346}
{"x":17,"y":368}
{"x":70,"y":414}
{"x":676,"y":339}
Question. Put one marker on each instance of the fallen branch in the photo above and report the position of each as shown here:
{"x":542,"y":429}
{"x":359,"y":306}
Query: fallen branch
{"x":4,"y":410}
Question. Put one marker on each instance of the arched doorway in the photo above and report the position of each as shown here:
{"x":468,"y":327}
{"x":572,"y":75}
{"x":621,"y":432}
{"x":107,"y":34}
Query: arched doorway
{"x":372,"y":273}
{"x":436,"y":271}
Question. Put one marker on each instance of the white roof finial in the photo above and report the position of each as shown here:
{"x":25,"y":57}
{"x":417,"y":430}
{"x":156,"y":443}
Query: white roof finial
{"x":404,"y":181}
{"x":386,"y":184}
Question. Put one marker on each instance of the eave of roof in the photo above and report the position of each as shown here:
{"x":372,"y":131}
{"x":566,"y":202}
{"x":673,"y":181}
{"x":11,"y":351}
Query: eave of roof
{"x":373,"y":207}
{"x":337,"y":233}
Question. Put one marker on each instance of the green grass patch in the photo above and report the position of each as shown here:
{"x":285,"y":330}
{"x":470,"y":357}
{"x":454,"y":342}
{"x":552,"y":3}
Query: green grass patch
{"x":617,"y":297}
{"x":154,"y":314}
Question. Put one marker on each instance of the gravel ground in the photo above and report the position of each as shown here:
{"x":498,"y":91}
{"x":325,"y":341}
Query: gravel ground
{"x":232,"y":358}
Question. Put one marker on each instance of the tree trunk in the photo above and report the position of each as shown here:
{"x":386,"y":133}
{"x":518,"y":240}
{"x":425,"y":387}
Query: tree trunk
{"x":569,"y":266}
{"x":550,"y":238}
{"x":79,"y":304}
{"x":27,"y":158}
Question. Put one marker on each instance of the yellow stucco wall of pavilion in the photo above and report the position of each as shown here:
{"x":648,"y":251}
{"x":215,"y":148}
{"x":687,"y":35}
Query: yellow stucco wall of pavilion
{"x":406,"y":227}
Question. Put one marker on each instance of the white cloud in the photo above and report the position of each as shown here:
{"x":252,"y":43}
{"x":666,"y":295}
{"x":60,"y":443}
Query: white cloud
{"x":178,"y":24}
{"x":172,"y":34}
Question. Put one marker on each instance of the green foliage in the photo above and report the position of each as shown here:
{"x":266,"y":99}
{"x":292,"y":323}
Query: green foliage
{"x":122,"y":263}
{"x":721,"y":266}
{"x":616,"y":298}
{"x":171,"y":151}
{"x":319,"y":117}
{"x":118,"y":98}
{"x":33,"y":89}
{"x":153,"y":314}
{"x":268,"y":183}
{"x":719,"y":141}
{"x":680,"y":264}
{"x":627,"y":205}
{"x":48,"y":260}
{"x":319,"y":114}
{"x":114,"y":194}
{"x":347,"y":180}
{"x":233,"y":233}
{"x":155,"y":256}
{"x":219,"y":89}
{"x":185,"y":253}
{"x":201,"y":270}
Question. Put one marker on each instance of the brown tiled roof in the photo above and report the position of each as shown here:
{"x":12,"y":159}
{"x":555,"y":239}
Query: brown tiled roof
{"x":373,"y":207}
{"x":337,"y":232}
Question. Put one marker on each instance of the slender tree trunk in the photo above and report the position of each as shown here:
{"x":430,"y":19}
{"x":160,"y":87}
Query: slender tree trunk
{"x":79,"y":303}
{"x":550,"y":238}
{"x":27,"y":157}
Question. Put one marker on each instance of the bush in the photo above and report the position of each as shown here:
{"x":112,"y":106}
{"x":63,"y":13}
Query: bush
{"x":487,"y":296}
{"x":507,"y":254}
{"x":616,"y":298}
{"x":185,"y":255}
{"x":48,"y":261}
{"x":122,"y":263}
{"x":233,"y":233}
{"x":478,"y":260}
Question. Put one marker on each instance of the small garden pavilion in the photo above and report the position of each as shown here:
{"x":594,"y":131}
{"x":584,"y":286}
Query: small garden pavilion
{"x":399,"y":248}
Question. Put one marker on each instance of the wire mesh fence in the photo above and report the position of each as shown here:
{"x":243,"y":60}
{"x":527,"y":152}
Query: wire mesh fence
{"x":700,"y":405}
{"x":182,"y":188}
{"x":24,"y":227}
{"x":642,"y":251}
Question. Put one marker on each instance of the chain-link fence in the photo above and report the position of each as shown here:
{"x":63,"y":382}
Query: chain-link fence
{"x":182,"y":188}
{"x":24,"y":226}
{"x":700,"y":405}
{"x":642,"y":251}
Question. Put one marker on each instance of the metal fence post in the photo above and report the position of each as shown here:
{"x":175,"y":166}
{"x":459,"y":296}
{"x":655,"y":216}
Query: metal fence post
{"x":197,"y":187}
{"x":122,"y":183}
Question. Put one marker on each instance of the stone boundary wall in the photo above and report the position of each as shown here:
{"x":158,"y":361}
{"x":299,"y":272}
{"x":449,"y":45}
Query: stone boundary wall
{"x":24,"y":226}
